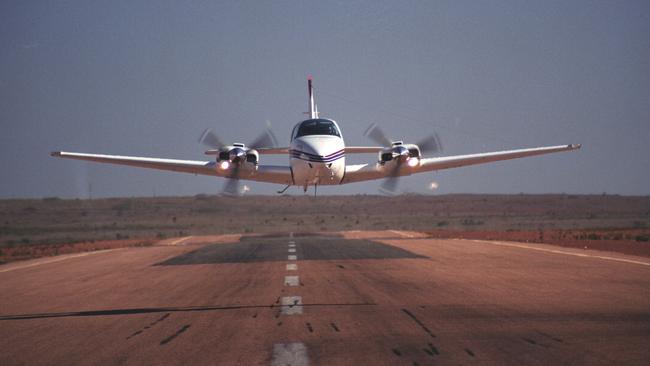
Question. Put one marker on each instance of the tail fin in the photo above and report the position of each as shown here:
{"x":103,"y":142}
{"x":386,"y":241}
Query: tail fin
{"x":313,"y":109}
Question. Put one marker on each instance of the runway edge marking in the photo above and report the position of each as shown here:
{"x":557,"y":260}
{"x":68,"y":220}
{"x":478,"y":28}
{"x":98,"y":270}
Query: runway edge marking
{"x":58,"y":259}
{"x":402,"y":233}
{"x":562,"y":252}
{"x":180,"y":240}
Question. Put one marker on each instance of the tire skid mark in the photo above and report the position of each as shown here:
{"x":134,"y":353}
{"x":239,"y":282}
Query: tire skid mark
{"x":433,"y":349}
{"x":334,"y":327}
{"x":550,"y":337}
{"x":534,"y":342}
{"x":469,"y":352}
{"x":419,"y":322}
{"x":171,"y":337}
{"x":149,"y":326}
{"x":134,"y":334}
{"x":311,"y":329}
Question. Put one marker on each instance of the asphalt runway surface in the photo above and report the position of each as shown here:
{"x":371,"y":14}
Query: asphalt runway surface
{"x":375,"y":298}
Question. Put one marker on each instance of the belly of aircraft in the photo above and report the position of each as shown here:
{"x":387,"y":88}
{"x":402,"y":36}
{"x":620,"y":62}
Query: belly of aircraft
{"x":306,"y":173}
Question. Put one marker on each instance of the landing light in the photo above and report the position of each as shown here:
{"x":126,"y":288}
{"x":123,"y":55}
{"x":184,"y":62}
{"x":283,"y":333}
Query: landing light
{"x":224,"y":165}
{"x":413,"y":162}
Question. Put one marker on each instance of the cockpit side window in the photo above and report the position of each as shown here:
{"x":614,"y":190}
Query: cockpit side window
{"x":317,"y":127}
{"x":293,"y":132}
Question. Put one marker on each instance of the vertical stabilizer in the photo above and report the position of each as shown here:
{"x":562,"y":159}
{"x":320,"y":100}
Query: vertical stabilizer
{"x":313,"y":109}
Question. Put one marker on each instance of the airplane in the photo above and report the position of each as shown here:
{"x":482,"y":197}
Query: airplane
{"x":316,"y":157}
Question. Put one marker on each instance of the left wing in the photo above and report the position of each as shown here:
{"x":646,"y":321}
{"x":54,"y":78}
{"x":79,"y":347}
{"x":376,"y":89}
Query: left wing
{"x":263,"y":173}
{"x":363,"y":172}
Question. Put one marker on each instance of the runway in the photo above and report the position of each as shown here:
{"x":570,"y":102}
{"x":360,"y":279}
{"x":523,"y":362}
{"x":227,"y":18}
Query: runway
{"x":375,"y":298}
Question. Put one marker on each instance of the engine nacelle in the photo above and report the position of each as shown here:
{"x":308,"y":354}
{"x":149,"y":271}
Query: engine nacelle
{"x":252,"y":156}
{"x":237,"y":154}
{"x":399,"y":150}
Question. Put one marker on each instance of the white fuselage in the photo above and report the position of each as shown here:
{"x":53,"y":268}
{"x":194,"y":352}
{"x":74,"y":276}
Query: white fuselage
{"x":317,"y":159}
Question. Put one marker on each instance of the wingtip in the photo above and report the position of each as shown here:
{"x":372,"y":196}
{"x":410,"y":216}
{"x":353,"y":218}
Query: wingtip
{"x":575,"y":146}
{"x":55,"y":153}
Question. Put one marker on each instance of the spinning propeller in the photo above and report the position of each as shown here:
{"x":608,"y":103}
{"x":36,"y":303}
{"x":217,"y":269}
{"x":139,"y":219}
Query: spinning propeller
{"x":233,"y":157}
{"x":401,"y":153}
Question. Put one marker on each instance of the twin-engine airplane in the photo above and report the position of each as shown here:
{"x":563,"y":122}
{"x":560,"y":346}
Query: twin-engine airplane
{"x":316,"y":157}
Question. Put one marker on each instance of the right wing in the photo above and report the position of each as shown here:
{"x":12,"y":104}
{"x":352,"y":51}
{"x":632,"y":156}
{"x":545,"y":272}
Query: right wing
{"x":364,"y":172}
{"x":263,"y":173}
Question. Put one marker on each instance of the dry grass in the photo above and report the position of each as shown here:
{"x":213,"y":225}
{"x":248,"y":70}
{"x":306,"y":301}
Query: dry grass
{"x":51,"y":222}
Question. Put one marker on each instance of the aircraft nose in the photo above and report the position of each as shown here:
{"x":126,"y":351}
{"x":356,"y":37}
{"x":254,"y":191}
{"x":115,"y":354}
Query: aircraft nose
{"x":318,"y":151}
{"x":311,"y":148}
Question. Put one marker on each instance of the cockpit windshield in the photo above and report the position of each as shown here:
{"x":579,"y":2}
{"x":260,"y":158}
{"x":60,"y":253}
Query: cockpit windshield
{"x":317,"y":127}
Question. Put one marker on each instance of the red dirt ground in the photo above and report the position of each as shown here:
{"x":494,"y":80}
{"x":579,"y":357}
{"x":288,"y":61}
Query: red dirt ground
{"x":627,"y":241}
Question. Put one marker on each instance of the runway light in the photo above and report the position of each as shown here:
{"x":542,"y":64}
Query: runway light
{"x":224,"y":165}
{"x":413,"y":162}
{"x":433,"y":186}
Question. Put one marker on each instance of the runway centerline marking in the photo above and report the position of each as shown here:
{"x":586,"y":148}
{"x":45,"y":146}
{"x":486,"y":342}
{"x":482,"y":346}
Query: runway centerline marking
{"x":292,"y":267}
{"x":294,"y":354}
{"x":292,"y":245}
{"x":292,"y":250}
{"x":58,"y":259}
{"x":292,"y":257}
{"x":499,"y":243}
{"x":291,"y":305}
{"x":291,"y":281}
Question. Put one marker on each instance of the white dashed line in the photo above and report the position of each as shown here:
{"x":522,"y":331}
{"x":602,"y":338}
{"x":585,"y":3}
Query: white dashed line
{"x":292,"y":267}
{"x":292,"y":257}
{"x":291,"y":305}
{"x":292,"y":250}
{"x":561,"y":252}
{"x":292,"y":242}
{"x":294,"y":354}
{"x":291,"y":281}
{"x":292,"y":245}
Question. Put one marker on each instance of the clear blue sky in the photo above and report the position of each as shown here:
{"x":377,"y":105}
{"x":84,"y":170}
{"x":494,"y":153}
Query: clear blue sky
{"x":146,"y":77}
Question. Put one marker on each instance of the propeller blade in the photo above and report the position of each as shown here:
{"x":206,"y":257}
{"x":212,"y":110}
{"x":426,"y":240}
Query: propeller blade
{"x":377,"y":135}
{"x":210,"y":139}
{"x":430,"y":144}
{"x":389,"y":185}
{"x":266,"y":139}
{"x":232,"y":187}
